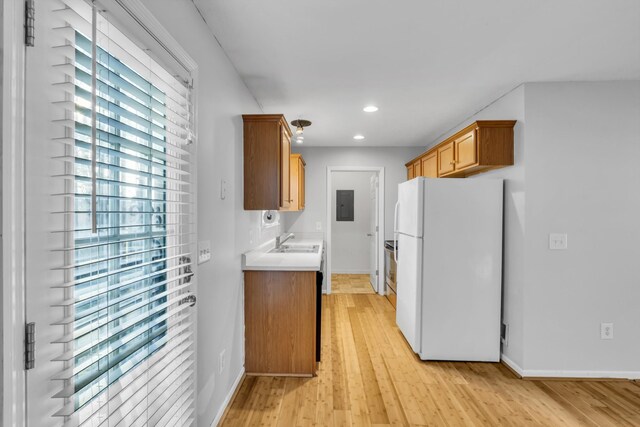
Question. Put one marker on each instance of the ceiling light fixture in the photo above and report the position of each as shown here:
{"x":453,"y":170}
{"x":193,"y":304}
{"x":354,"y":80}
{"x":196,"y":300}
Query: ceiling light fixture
{"x":300,"y":124}
{"x":358,"y":137}
{"x":370,"y":109}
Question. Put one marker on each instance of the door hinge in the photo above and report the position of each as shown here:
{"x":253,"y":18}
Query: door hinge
{"x":376,"y":272}
{"x":29,"y":23}
{"x":30,"y":346}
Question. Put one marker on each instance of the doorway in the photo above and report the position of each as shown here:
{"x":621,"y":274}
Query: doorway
{"x":355,"y":229}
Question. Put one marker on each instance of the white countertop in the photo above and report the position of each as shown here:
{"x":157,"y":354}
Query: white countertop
{"x":261,"y":259}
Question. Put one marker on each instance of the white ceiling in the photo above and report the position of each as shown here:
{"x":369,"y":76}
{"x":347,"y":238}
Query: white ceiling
{"x":427,"y":64}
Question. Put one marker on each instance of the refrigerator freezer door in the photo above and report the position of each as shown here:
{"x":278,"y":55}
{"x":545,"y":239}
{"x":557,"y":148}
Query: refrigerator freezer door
{"x":409,"y":209}
{"x":409,"y":286}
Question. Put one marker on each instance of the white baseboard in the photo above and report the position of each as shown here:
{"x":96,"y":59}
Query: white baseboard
{"x":227,"y":399}
{"x":513,"y":365}
{"x":334,"y":271}
{"x":548,"y":373}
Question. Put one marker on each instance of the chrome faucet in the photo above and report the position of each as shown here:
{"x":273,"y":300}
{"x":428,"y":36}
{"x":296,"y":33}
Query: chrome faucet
{"x":280,"y":240}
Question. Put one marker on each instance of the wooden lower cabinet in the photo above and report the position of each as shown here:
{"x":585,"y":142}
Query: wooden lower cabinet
{"x":280,"y":322}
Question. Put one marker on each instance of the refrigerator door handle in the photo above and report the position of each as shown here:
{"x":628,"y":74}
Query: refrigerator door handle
{"x":395,"y":217}
{"x":395,"y":232}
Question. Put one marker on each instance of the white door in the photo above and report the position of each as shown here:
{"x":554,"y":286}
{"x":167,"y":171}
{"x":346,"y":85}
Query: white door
{"x":373,"y":233}
{"x":114,"y":328}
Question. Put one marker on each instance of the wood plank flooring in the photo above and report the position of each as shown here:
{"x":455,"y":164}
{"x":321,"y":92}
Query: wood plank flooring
{"x":369,"y":376}
{"x":351,"y":284}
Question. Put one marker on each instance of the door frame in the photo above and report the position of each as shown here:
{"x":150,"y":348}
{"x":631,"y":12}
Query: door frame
{"x":13,"y":377}
{"x":13,"y":222}
{"x":381,"y":229}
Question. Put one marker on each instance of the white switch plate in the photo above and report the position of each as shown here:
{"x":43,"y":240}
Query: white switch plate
{"x":606,"y":331}
{"x":222,"y":361}
{"x":204,"y":251}
{"x":223,"y":189}
{"x":318,"y":226}
{"x":557,"y":241}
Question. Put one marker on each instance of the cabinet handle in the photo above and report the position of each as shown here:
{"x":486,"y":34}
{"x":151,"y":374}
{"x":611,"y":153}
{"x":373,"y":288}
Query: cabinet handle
{"x":452,"y":163}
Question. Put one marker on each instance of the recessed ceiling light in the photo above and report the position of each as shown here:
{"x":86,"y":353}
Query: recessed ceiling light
{"x":370,"y":109}
{"x":358,"y":137}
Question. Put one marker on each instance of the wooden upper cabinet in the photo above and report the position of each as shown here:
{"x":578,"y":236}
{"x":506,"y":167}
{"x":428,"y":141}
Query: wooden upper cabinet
{"x":297,"y":183}
{"x":430,"y":165}
{"x":481,"y":146}
{"x":267,"y":150}
{"x":446,"y":159}
{"x":417,"y":168}
{"x":466,"y":150}
{"x":285,"y":194}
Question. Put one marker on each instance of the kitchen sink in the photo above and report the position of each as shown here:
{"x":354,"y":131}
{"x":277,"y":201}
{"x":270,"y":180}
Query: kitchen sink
{"x":296,"y":249}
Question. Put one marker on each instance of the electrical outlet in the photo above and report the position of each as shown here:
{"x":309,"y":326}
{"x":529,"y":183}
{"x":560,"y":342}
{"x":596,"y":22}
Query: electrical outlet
{"x":318,"y":226}
{"x":204,"y":251}
{"x":606,"y":331}
{"x":222,"y":362}
{"x":557,"y":241}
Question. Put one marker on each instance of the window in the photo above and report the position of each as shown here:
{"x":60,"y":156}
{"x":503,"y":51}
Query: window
{"x":127,"y":344}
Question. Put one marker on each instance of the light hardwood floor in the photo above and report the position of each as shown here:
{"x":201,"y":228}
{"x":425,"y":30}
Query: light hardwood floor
{"x":351,"y":284}
{"x":369,"y":376}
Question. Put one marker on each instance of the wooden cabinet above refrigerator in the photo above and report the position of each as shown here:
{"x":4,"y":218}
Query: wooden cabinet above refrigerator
{"x":483,"y":145}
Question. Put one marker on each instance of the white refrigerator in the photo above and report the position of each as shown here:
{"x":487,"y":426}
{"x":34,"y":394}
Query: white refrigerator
{"x":449,"y":274}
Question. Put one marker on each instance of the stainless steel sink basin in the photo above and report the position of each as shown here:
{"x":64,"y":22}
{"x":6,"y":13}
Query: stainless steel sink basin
{"x":296,"y":249}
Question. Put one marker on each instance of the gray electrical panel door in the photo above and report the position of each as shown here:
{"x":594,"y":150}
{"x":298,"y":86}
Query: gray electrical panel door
{"x":344,"y":205}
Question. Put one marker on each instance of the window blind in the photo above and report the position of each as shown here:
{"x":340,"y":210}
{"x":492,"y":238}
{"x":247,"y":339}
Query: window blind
{"x":127,"y":356}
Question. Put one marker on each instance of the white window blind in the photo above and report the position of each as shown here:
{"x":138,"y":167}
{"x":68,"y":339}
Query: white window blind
{"x":126,"y":354}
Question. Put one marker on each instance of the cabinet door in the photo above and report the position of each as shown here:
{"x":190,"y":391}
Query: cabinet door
{"x":466,"y":150}
{"x":285,"y":177}
{"x":301,"y":183}
{"x":417,"y":169}
{"x":430,"y":165}
{"x":410,"y":172}
{"x":446,"y":162}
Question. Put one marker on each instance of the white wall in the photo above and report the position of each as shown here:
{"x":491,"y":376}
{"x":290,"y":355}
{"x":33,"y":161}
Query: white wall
{"x":351,"y":248}
{"x":318,"y":159}
{"x":222,"y":97}
{"x":582,"y":150}
{"x":583,"y":179}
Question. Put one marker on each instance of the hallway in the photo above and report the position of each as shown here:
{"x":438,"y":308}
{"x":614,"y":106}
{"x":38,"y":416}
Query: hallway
{"x":351,"y":284}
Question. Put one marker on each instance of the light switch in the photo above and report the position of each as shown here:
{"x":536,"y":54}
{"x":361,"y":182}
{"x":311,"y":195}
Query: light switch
{"x":204,"y":251}
{"x":557,"y":241}
{"x":318,"y":226}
